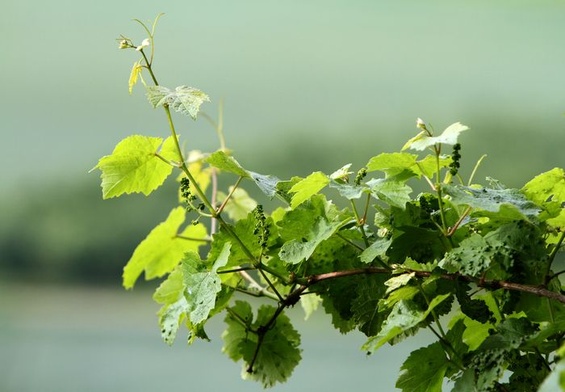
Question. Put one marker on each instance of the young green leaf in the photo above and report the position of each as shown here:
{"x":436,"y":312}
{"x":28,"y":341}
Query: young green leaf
{"x":134,"y":166}
{"x":267,"y":184}
{"x":377,"y":249}
{"x":398,"y":281}
{"x":183,"y":99}
{"x":393,"y":163}
{"x":225,"y":162}
{"x":424,"y":370}
{"x":308,"y":187}
{"x":310,"y":304}
{"x":548,"y":191}
{"x":449,"y":136}
{"x":134,"y":75}
{"x":162,"y":250}
{"x":239,"y":205}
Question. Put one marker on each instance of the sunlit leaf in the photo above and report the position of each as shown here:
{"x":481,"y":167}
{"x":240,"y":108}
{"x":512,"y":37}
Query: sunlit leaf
{"x":449,"y":136}
{"x":134,"y":75}
{"x":548,"y":191}
{"x":392,"y":163}
{"x":162,"y":250}
{"x":239,"y":205}
{"x":310,"y":304}
{"x":225,"y":162}
{"x":134,"y":166}
{"x":308,"y":187}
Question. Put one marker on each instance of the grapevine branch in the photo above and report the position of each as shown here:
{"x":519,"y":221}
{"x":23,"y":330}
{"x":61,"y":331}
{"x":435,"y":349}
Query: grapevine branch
{"x":490,"y":284}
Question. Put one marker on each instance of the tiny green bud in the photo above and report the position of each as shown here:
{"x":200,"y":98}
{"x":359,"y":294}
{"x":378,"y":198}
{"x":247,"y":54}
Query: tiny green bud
{"x":145,"y":43}
{"x":420,"y":124}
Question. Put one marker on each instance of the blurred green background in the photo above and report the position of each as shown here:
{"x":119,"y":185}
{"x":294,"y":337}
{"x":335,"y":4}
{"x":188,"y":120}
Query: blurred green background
{"x":307,"y":85}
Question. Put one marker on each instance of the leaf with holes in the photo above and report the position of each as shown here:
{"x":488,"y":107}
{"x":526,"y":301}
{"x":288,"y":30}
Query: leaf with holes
{"x":183,"y":99}
{"x":202,"y":284}
{"x":269,"y":359}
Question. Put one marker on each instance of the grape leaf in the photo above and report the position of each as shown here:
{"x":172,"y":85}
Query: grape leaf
{"x":225,"y":162}
{"x":267,"y":184}
{"x":398,"y":281}
{"x":472,"y":308}
{"x":392,"y":192}
{"x":183,"y":99}
{"x":403,"y":293}
{"x":278,"y":352}
{"x":170,"y":295}
{"x":175,"y":309}
{"x":239,"y":205}
{"x":466,"y":382}
{"x":424,"y":369}
{"x":365,"y":307}
{"x":548,"y":191}
{"x":392,"y":163}
{"x":134,"y":75}
{"x":171,"y":289}
{"x":134,"y":166}
{"x":404,"y":316}
{"x":161,"y":251}
{"x":349,"y":191}
{"x":304,"y":228}
{"x":295,"y":251}
{"x":308,"y":187}
{"x":170,"y":317}
{"x":243,"y":229}
{"x":377,"y":249}
{"x":493,"y":199}
{"x":202,"y":284}
{"x":473,"y":256}
{"x":428,"y":165}
{"x":548,"y":186}
{"x":449,"y":136}
{"x":309,"y":304}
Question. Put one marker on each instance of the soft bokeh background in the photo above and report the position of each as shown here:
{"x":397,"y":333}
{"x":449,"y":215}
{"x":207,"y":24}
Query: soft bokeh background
{"x":307,"y":85}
